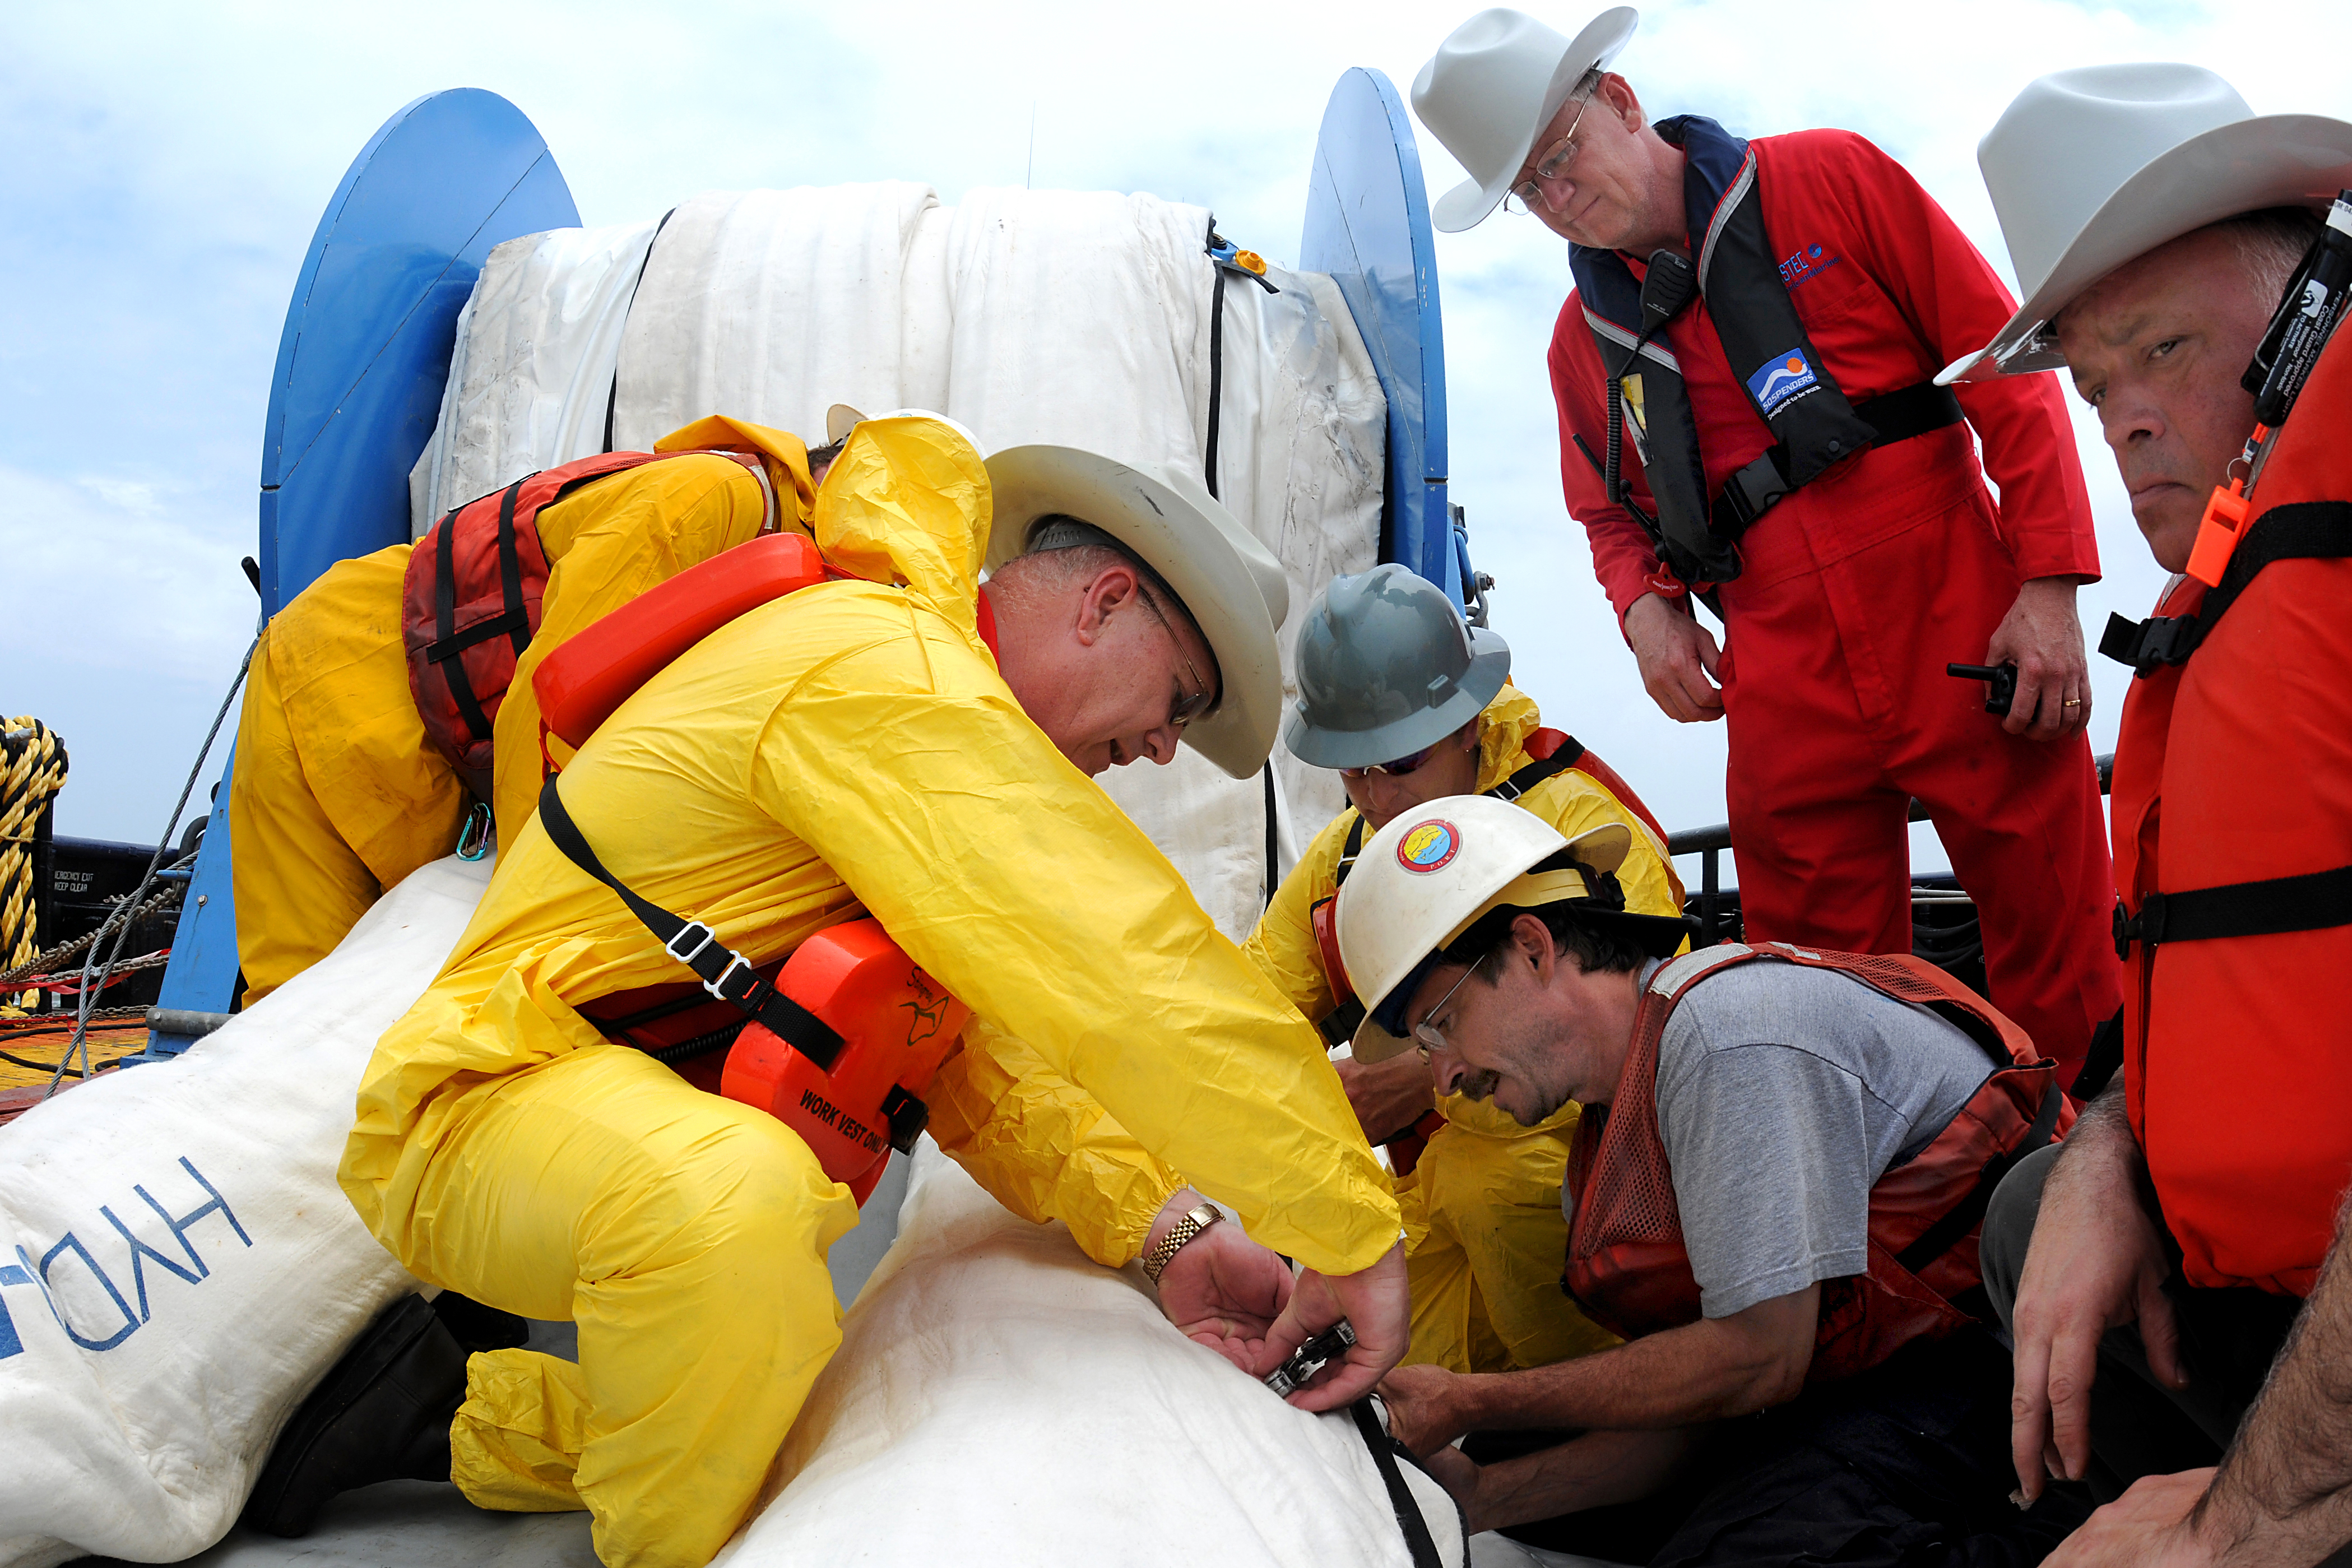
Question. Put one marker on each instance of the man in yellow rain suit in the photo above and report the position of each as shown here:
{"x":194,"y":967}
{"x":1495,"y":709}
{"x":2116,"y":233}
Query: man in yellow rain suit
{"x":337,"y":793}
{"x":918,"y":747}
{"x":1484,"y":1234}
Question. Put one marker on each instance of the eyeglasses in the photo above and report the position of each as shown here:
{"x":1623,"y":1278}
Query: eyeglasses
{"x":1397,"y":769}
{"x":1188,"y":705}
{"x":1426,"y":1035}
{"x":1555,"y":165}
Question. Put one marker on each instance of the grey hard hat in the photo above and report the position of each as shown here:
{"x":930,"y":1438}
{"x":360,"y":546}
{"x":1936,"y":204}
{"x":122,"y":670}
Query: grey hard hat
{"x":1386,"y":667}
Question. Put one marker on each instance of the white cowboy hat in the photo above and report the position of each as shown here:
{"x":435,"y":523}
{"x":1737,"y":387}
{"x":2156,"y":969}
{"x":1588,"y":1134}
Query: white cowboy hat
{"x":2089,"y":168}
{"x":839,"y":421}
{"x":1231,"y":585}
{"x":1493,"y":85}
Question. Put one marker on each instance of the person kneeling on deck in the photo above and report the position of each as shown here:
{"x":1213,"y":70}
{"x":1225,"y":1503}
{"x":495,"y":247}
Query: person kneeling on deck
{"x":1480,"y":1193}
{"x":341,"y":784}
{"x":1775,"y":1191}
{"x":2178,"y":1281}
{"x":911,"y":745}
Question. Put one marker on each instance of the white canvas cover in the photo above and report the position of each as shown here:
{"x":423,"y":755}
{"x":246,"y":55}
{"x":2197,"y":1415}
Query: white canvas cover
{"x":1070,"y":317}
{"x":177,"y":1265}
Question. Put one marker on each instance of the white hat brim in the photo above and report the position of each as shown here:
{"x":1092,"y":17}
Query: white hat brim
{"x":1231,"y":585}
{"x":1467,"y":203}
{"x":2270,"y":161}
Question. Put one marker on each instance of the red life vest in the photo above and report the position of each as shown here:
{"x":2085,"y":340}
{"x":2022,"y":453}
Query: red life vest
{"x":469,"y":602}
{"x":839,"y":1039}
{"x":2232,"y":821}
{"x":1627,"y":1265}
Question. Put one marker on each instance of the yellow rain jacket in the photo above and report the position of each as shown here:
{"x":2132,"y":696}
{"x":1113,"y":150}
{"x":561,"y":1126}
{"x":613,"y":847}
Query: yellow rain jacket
{"x":336,"y":795}
{"x":848,"y":749}
{"x":1485,"y":1240}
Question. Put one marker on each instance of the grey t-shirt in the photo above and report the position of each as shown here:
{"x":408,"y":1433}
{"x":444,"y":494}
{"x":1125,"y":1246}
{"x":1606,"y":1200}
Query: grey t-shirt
{"x":1784,"y":1094}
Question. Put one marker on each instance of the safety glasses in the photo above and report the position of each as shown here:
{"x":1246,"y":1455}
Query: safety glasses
{"x":1555,"y":165}
{"x":1188,"y":705}
{"x":1397,"y":769}
{"x":1426,"y":1035}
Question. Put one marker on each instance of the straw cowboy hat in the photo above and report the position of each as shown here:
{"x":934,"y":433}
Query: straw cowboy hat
{"x":2089,"y":168}
{"x":1231,"y":585}
{"x":1493,"y":86}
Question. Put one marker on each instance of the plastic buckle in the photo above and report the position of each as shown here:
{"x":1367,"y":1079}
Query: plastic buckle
{"x":1754,"y":490}
{"x":2126,"y":929}
{"x":907,"y":1115}
{"x":687,"y":929}
{"x":717,"y":984}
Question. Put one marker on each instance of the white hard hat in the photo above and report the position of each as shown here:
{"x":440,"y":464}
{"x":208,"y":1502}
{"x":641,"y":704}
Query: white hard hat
{"x":1493,"y":86}
{"x":2092,"y":167}
{"x":1426,"y":878}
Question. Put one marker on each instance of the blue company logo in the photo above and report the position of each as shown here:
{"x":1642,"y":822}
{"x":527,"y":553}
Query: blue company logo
{"x":1802,"y":266}
{"x":1780,"y":380}
{"x":81,"y":1294}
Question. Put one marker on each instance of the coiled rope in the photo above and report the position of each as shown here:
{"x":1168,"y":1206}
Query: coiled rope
{"x":32,"y":771}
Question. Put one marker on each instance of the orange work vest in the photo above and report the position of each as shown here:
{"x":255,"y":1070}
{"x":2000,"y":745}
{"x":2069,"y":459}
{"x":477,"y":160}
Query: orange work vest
{"x":1627,"y":1264}
{"x":2233,"y":818}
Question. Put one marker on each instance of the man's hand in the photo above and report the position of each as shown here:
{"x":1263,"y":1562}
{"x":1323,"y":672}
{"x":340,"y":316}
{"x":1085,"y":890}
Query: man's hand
{"x":1221,"y":1290}
{"x":1678,"y":658}
{"x":2148,"y":1527}
{"x":1375,"y":1302}
{"x":1423,"y":1414}
{"x":1386,"y":1097}
{"x":2096,"y":1264}
{"x":2041,"y":636}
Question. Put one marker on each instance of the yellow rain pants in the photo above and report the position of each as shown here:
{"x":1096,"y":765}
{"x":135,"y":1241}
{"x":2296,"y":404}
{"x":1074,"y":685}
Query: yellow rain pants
{"x":849,"y":748}
{"x":1485,"y":1241}
{"x":337,"y":793}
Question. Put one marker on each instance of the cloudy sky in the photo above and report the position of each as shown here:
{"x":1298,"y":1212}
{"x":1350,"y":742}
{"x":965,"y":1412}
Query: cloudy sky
{"x":162,"y":169}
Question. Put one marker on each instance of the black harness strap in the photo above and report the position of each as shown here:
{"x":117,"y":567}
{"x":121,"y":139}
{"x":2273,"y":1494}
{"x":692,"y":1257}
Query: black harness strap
{"x":613,"y":397}
{"x":724,"y":972}
{"x":2299,"y":531}
{"x":2316,"y":900}
{"x":1764,"y":483}
{"x":1962,"y":1218}
{"x":1407,"y":1508}
{"x":443,"y":652}
{"x":511,"y":574}
{"x":1349,"y":851}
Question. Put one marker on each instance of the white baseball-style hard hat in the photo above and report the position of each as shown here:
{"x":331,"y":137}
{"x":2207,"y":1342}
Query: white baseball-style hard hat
{"x":2090,"y":168}
{"x":1431,"y":873}
{"x":1231,"y":585}
{"x":1493,"y":86}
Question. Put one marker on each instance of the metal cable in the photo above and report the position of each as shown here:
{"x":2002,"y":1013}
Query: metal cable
{"x":83,"y":1003}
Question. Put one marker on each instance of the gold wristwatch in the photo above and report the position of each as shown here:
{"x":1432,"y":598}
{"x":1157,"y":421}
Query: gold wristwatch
{"x":1194,"y":1222}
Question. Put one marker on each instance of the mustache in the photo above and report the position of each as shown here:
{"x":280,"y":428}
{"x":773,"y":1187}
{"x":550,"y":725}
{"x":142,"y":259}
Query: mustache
{"x":1478,"y":1086}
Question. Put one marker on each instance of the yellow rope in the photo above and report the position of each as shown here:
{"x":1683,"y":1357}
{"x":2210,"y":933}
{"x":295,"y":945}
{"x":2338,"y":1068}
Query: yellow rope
{"x":33,"y":772}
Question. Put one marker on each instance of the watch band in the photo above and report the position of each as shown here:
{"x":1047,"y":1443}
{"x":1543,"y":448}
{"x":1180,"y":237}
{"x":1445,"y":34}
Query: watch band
{"x":1194,"y":1222}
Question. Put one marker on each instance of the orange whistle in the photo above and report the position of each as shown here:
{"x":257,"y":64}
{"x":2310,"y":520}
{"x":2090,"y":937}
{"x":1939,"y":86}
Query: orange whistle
{"x":2218,"y":533}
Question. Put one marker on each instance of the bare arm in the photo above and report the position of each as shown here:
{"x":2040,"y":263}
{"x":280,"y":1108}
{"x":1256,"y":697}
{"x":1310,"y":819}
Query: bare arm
{"x":2284,"y":1492}
{"x":1592,"y":1471}
{"x":2096,"y":1262}
{"x":1701,"y":1372}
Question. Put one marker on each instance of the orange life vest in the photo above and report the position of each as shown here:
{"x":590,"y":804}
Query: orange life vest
{"x":838,"y":1039}
{"x":469,"y":601}
{"x":2233,"y":818}
{"x":1628,"y":1266}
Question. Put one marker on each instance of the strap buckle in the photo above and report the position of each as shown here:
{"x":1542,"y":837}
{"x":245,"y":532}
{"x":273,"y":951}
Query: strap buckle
{"x":690,"y":954}
{"x":1751,"y":492}
{"x":717,"y":984}
{"x":2147,"y":926}
{"x":2149,"y":644}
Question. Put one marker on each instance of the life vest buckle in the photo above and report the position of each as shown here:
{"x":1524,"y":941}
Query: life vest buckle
{"x":688,"y":956}
{"x":2149,"y":644}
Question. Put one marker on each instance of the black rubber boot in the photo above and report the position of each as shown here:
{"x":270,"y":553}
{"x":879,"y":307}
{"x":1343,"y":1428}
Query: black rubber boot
{"x":381,"y":1414}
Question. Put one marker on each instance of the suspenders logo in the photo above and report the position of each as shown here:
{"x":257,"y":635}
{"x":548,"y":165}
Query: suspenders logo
{"x":1782,"y":377}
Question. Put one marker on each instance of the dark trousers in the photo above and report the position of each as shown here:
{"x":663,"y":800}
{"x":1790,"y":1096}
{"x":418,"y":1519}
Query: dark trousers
{"x":1907,"y":1464}
{"x":2138,"y":1426}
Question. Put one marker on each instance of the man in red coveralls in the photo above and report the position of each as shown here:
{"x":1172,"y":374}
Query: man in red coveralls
{"x":1744,"y":377}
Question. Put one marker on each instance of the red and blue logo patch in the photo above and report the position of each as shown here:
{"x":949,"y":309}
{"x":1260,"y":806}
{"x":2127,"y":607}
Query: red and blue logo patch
{"x":1427,"y":845}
